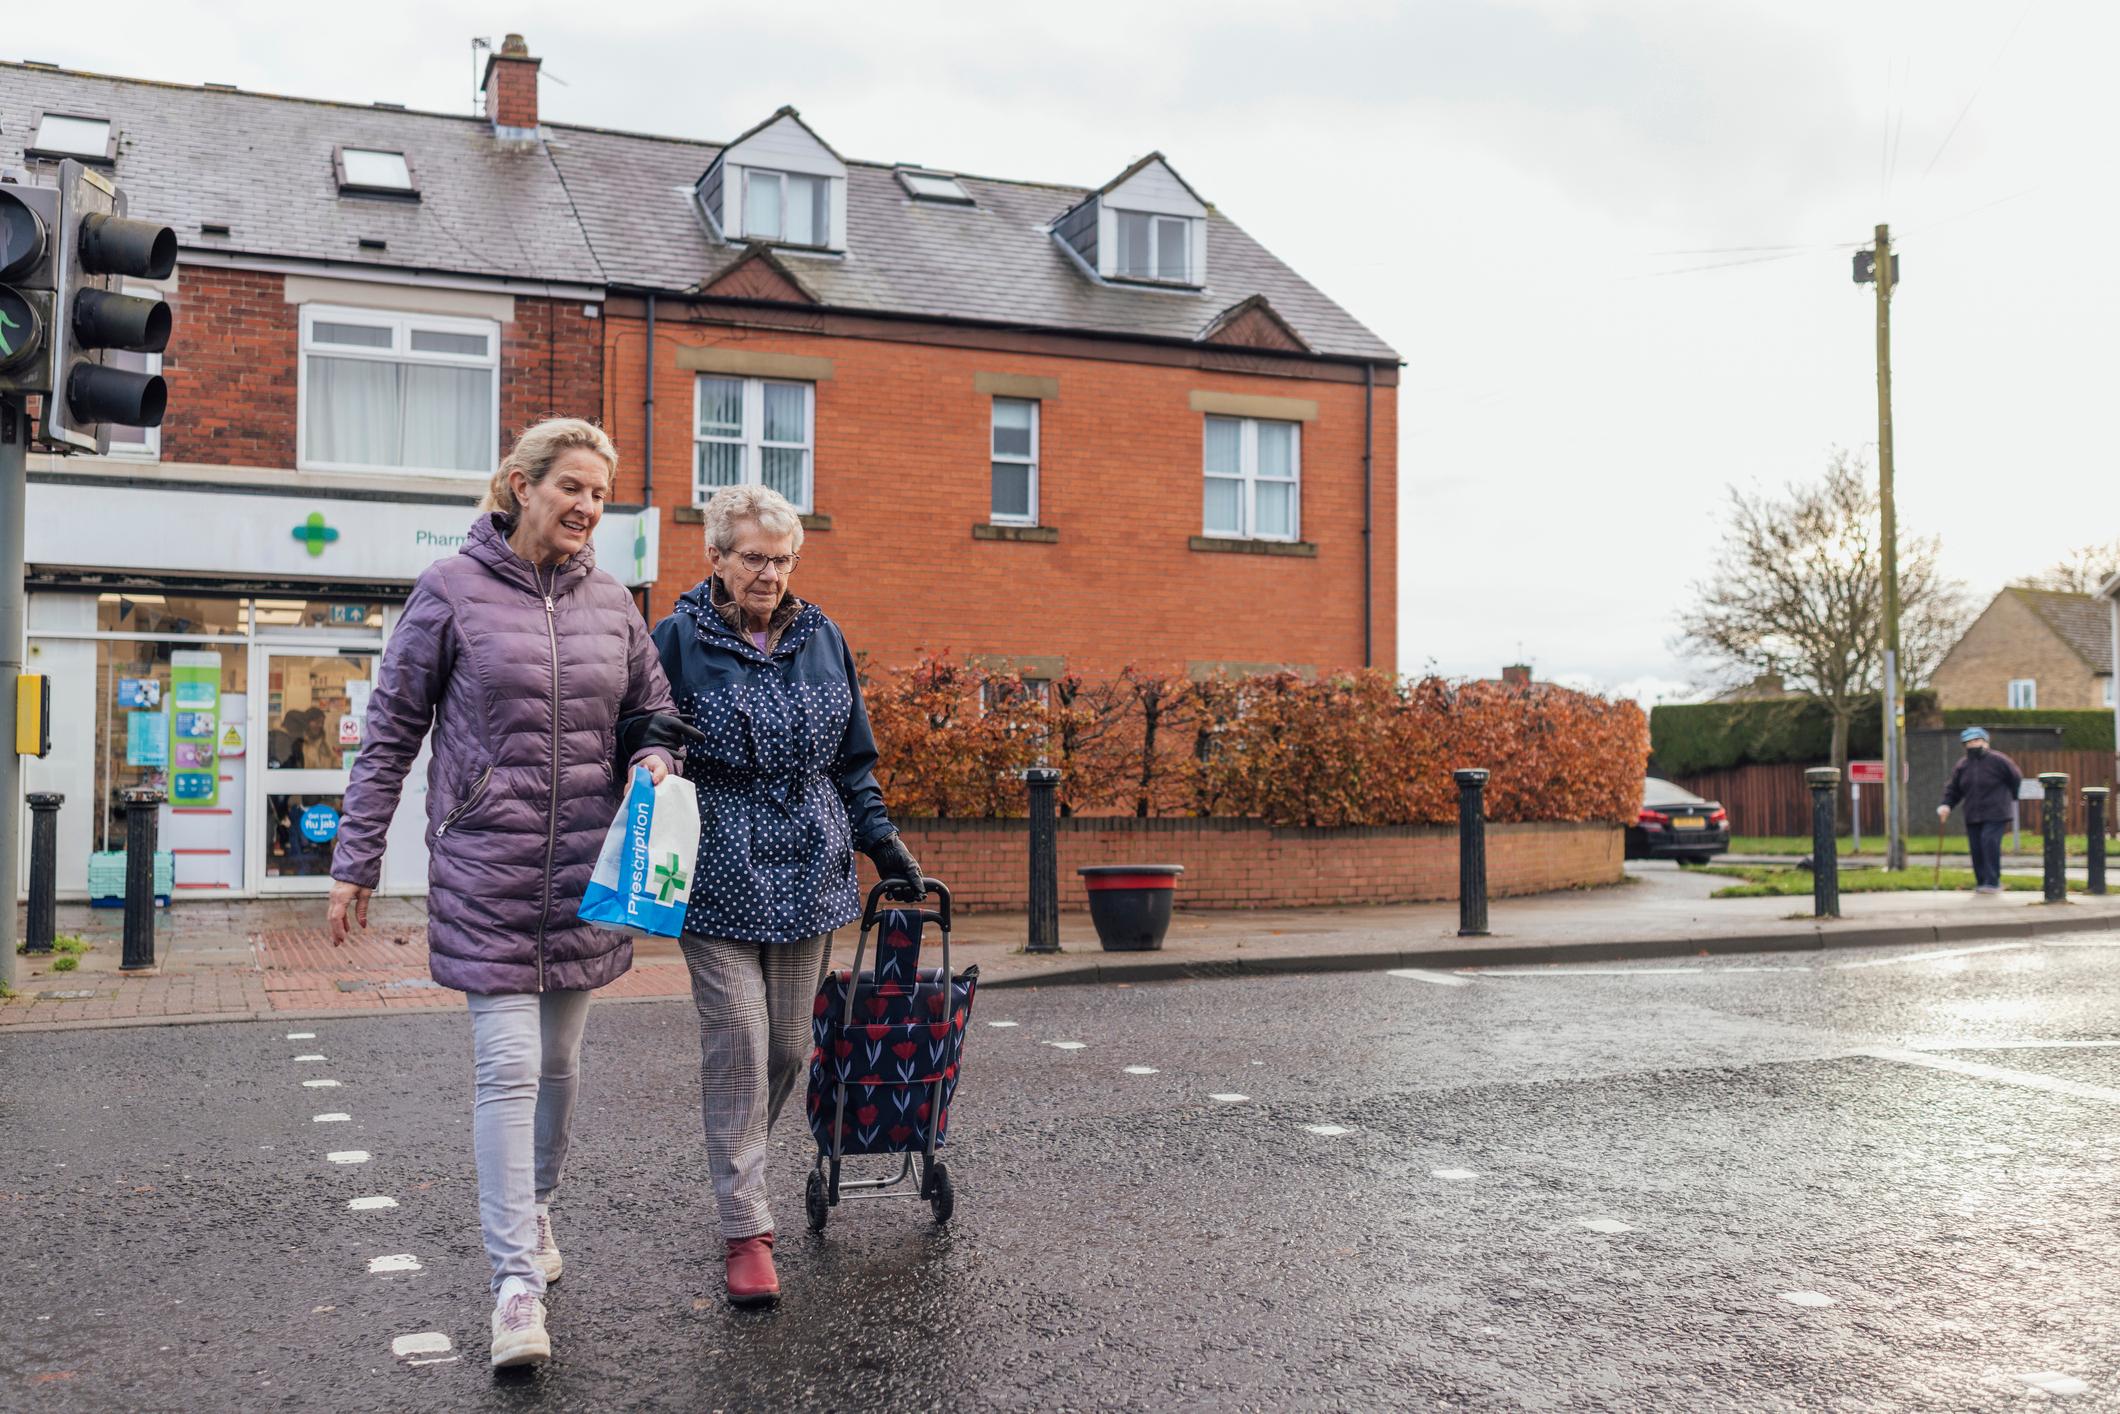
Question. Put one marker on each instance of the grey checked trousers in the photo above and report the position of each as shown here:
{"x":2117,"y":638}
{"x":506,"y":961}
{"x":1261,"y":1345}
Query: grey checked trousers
{"x":754,"y":1004}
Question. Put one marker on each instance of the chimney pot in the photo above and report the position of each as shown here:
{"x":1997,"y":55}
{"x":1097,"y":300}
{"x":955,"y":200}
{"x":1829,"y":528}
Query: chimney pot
{"x":510,"y":87}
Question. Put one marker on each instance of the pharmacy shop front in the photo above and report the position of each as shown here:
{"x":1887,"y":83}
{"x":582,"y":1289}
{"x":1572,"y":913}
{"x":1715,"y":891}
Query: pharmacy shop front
{"x":222,"y":647}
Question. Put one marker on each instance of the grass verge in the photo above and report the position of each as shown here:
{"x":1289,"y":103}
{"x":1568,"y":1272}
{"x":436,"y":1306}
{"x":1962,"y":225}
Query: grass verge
{"x":1954,"y":843}
{"x":1768,"y":881}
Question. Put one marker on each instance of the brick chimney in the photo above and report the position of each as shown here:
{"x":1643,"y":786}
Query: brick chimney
{"x":511,"y":89}
{"x":1517,"y":675}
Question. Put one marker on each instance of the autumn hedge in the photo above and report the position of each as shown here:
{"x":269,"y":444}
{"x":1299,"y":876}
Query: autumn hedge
{"x":1350,"y":749}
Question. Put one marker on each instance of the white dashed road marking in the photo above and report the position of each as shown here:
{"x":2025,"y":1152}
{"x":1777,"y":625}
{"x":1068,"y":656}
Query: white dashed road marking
{"x":1422,"y":974}
{"x":301,"y":1035}
{"x":312,"y":1058}
{"x":1141,"y":1070}
{"x":320,"y":1084}
{"x":420,"y":1343}
{"x":1605,"y":1225}
{"x":1807,"y":1298}
{"x":395,"y":1262}
{"x":1067,"y":1045}
{"x":348,"y":1156}
{"x":331,"y":1119}
{"x":1001,"y":1023}
{"x":2054,"y":1382}
{"x":369,"y":1205}
{"x":2052,"y":1085}
{"x":1329,"y":1131}
{"x":1928,"y":956}
{"x":1230,"y":1099}
{"x":1454,"y":1175}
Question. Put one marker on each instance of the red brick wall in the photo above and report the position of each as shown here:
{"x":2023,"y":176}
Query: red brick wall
{"x":232,"y":360}
{"x":901,"y":468}
{"x":1242,"y":864}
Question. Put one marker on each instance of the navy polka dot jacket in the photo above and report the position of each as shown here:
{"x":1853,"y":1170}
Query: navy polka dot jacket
{"x":786,"y":777}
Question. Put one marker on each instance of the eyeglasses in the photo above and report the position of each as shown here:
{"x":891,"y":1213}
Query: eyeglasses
{"x":756,"y":564}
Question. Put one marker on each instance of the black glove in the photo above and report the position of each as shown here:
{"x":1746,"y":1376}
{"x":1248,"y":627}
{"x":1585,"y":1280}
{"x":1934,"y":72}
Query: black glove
{"x":672,"y":734}
{"x":895,"y":863}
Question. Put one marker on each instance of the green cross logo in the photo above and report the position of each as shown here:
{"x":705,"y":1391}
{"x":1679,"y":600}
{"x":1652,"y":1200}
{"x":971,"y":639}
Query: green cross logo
{"x":315,"y":534}
{"x":669,"y":877}
{"x":640,"y":549}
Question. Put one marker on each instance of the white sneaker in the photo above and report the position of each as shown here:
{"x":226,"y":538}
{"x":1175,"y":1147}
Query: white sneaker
{"x":519,"y":1336}
{"x":548,"y":1258}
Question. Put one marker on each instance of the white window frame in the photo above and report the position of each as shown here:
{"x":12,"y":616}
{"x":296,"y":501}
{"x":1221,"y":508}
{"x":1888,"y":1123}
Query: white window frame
{"x":2024,"y":694}
{"x":1248,"y":478}
{"x":150,"y":445}
{"x":1155,"y":247}
{"x":753,"y":440}
{"x":743,"y":207}
{"x":401,"y":326}
{"x":993,"y":516}
{"x":2108,"y":689}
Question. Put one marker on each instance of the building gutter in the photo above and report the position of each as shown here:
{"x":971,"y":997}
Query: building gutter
{"x":647,"y":408}
{"x":1369,"y":407}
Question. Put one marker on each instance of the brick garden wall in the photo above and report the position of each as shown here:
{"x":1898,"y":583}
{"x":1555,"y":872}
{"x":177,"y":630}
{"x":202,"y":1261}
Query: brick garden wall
{"x":1244,"y":864}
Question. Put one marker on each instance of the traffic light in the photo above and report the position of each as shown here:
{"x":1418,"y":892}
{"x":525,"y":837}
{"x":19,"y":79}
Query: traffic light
{"x":29,"y":223}
{"x":98,"y":246}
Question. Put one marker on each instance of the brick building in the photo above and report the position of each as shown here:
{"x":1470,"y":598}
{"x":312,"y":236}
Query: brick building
{"x":1057,"y":428}
{"x":2031,"y":648}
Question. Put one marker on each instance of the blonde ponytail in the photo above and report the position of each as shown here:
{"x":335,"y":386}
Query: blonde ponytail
{"x":536,"y":450}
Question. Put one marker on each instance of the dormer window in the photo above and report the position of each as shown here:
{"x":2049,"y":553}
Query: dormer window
{"x":370,"y":169}
{"x":1154,"y":247}
{"x":66,"y":135}
{"x":787,"y":206}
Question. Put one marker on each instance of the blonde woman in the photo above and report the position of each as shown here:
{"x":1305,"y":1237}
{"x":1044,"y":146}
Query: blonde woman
{"x":785,"y":770}
{"x":536,"y":675}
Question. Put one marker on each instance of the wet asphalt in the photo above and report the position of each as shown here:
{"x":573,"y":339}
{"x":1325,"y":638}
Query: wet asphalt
{"x":1551,"y":1188}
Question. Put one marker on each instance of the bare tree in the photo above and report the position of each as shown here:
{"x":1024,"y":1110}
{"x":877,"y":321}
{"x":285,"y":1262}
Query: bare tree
{"x":2081,"y":571}
{"x":1798,"y":590}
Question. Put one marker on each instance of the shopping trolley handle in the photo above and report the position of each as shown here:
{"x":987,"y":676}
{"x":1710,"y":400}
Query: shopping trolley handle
{"x":897,"y":889}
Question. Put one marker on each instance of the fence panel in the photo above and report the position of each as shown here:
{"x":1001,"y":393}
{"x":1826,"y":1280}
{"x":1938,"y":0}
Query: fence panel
{"x":1773,"y":800}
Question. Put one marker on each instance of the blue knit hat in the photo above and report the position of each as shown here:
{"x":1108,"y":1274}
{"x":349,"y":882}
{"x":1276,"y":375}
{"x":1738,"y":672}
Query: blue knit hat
{"x":1973,"y":734}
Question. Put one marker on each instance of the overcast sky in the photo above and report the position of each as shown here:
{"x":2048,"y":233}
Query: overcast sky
{"x":1611,"y":238}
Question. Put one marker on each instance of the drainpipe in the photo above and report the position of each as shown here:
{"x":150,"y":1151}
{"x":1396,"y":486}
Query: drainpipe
{"x":647,"y":456}
{"x":1369,"y":408}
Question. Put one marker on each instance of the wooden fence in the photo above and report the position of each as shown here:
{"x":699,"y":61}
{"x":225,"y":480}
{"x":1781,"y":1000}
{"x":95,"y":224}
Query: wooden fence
{"x":1773,"y":800}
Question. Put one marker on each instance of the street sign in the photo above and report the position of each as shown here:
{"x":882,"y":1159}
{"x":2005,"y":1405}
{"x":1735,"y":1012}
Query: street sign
{"x":1866,"y":773}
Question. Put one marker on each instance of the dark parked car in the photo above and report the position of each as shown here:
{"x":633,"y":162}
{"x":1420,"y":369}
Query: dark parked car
{"x":1677,"y":824}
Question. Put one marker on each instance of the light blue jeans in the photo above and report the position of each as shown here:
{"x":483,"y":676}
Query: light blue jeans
{"x":525,"y":1056}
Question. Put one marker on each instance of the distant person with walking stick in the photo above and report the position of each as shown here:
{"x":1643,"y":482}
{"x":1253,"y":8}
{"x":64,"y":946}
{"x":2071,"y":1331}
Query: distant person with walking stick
{"x":1985,"y":782}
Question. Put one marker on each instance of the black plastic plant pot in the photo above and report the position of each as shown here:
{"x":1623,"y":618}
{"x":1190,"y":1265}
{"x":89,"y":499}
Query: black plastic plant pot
{"x":1130,"y":903}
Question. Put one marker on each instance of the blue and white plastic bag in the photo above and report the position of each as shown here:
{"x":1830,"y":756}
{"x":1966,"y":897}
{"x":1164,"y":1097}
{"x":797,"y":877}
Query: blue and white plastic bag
{"x":643,"y":878}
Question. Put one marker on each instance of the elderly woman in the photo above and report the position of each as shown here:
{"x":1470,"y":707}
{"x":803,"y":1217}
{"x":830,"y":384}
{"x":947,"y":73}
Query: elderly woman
{"x":787,"y":792}
{"x":534,"y":673}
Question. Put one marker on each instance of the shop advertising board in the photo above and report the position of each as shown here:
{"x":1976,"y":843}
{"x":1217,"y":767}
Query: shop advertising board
{"x":195,"y":728}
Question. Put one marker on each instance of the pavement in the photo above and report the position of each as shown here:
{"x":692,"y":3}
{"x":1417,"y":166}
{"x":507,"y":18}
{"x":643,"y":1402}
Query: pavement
{"x":254,"y":959}
{"x":1870,"y":1179}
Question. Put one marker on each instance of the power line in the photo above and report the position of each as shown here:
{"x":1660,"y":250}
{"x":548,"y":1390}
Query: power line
{"x":2022,"y":15}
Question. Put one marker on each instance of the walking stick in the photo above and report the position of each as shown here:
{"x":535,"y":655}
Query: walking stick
{"x":1936,"y":879}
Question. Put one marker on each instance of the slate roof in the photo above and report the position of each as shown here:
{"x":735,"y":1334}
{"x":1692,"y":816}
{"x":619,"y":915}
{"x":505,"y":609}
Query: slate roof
{"x":2080,"y":620}
{"x":594,"y":206}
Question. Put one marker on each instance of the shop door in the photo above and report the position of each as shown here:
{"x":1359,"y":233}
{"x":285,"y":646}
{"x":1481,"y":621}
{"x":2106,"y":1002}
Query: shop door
{"x":313,"y":708}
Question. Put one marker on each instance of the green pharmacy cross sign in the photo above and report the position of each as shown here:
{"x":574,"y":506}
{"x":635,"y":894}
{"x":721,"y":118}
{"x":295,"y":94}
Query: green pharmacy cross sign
{"x":315,"y":534}
{"x":669,"y":877}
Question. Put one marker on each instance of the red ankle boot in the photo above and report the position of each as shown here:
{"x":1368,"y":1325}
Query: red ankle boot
{"x":752,"y":1280}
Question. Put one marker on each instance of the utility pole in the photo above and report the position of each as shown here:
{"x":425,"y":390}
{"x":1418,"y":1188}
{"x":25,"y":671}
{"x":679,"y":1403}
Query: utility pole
{"x":14,"y":446}
{"x":1895,"y":803}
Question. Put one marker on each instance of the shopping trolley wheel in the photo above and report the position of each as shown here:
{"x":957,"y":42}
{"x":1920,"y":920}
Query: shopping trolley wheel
{"x":815,"y":1203}
{"x":941,"y":1197}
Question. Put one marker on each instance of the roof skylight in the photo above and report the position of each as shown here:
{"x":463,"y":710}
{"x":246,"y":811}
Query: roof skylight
{"x":933,"y":186}
{"x":64,"y":135}
{"x":372,"y":169}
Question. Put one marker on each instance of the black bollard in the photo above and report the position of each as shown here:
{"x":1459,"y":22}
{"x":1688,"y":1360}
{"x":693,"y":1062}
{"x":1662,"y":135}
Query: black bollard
{"x":2053,"y":832}
{"x":43,"y":870}
{"x":2094,"y":860}
{"x":1824,"y":782}
{"x":1044,"y":783}
{"x":141,"y":805}
{"x":1472,"y":852}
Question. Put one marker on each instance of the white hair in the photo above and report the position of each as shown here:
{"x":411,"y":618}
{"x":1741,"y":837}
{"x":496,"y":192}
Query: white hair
{"x":770,"y":511}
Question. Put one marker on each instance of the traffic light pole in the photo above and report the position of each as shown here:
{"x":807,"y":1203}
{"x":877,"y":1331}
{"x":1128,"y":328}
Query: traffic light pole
{"x":14,"y":496}
{"x":1895,"y":804}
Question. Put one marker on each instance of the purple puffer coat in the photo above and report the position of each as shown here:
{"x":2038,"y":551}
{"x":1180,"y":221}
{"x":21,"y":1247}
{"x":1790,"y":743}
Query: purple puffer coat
{"x":524,"y":674}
